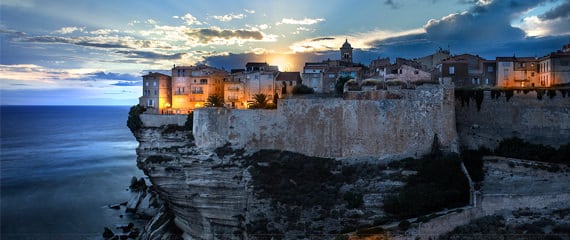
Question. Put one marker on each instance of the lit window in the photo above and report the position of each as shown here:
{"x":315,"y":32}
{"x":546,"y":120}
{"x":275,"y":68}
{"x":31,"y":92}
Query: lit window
{"x":490,"y":69}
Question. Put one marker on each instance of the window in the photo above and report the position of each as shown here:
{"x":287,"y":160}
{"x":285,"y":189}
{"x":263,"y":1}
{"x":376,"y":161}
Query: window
{"x":331,"y":75}
{"x":197,"y":90}
{"x":203,"y":81}
{"x":416,"y":72}
{"x":451,"y":70}
{"x":154,"y":83}
{"x":487,"y":81}
{"x":532,"y":74}
{"x":150,"y":103}
{"x":155,"y":92}
{"x":563,"y":63}
{"x":146,"y":83}
{"x":490,"y":69}
{"x":400,"y":71}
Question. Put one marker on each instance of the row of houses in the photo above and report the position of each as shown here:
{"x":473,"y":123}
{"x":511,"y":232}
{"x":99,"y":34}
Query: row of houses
{"x":467,"y":70}
{"x":189,"y":87}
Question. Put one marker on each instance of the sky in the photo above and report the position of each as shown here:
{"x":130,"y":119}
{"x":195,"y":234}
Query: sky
{"x":94,"y":52}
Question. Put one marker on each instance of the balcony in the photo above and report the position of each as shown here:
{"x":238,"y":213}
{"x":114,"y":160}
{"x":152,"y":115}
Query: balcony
{"x":233,"y":88}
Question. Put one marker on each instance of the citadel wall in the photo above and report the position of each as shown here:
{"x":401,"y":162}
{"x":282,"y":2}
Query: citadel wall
{"x":543,"y":121}
{"x":332,"y":127}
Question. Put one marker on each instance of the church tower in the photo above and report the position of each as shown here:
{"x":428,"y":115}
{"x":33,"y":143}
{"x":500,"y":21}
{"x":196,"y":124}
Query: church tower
{"x":346,"y":52}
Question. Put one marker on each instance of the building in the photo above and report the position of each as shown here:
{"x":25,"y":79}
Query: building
{"x":489,"y":73}
{"x":259,"y":79}
{"x":156,"y":97}
{"x":285,"y":81}
{"x":192,"y":85}
{"x":517,"y":72}
{"x":464,"y":70}
{"x":432,"y":61}
{"x":313,"y":76}
{"x":346,"y":52}
{"x":408,"y":74}
{"x":554,"y":68}
{"x":234,"y":90}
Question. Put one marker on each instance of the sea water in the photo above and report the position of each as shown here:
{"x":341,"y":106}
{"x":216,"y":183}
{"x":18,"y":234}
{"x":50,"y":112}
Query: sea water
{"x":60,"y":168}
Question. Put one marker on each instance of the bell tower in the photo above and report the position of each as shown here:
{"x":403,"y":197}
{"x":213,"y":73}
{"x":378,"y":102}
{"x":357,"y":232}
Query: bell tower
{"x":346,"y":52}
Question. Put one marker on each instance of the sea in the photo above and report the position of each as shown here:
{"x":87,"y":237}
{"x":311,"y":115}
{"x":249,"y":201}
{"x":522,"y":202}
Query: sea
{"x":60,"y":169}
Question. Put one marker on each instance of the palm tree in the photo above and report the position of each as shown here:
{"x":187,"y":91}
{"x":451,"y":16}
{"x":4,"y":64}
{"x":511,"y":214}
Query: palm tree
{"x":215,"y":101}
{"x":260,"y":100}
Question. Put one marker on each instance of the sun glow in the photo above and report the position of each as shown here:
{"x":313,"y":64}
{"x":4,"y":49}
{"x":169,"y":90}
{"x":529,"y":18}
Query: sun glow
{"x":283,"y":61}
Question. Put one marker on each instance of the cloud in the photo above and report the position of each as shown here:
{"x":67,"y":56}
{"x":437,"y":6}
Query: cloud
{"x":189,"y":19}
{"x":111,"y":76}
{"x":534,"y":26}
{"x":229,"y":17}
{"x":322,"y":39}
{"x":305,"y":21}
{"x":485,"y":19}
{"x":249,"y":11}
{"x":127,"y":83}
{"x":18,"y":3}
{"x":81,"y":41}
{"x":11,"y":32}
{"x":68,"y":30}
{"x":104,"y":31}
{"x":221,"y":36}
{"x":560,"y":11}
{"x":150,"y":55}
{"x":391,"y":3}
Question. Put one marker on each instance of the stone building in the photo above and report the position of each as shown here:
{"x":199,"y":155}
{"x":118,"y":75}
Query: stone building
{"x":517,"y":72}
{"x":313,"y":76}
{"x":346,"y":52}
{"x":192,"y":85}
{"x":432,"y":61}
{"x":465,"y":70}
{"x":260,"y":79}
{"x":489,"y":73}
{"x":156,"y":97}
{"x":234,"y":90}
{"x":285,"y":81}
{"x":554,"y":68}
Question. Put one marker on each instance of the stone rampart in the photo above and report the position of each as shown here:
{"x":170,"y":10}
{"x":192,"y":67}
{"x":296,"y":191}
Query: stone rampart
{"x":385,"y":128}
{"x":524,"y":115}
{"x":155,"y":120}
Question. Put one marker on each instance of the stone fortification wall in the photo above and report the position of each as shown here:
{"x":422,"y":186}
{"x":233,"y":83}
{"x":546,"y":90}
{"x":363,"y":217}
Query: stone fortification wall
{"x":328,"y":127}
{"x":538,"y":121}
{"x":154,"y":120}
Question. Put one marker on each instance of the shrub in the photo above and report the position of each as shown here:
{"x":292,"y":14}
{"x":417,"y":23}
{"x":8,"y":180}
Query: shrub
{"x":302,"y":89}
{"x":473,"y":161}
{"x":134,"y":121}
{"x":354,"y":200}
{"x":518,"y":148}
{"x":339,"y":86}
{"x":404,"y":225}
{"x":439,"y":184}
{"x":189,"y":124}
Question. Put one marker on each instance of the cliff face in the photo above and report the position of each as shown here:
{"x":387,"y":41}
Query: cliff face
{"x":233,"y":194}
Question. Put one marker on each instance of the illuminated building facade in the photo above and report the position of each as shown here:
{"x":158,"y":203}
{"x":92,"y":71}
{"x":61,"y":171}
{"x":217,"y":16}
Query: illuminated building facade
{"x":156,"y":97}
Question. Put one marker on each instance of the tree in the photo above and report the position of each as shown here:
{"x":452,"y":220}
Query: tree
{"x":339,"y":86}
{"x":303,"y":89}
{"x":260,"y":101}
{"x":134,"y":121}
{"x":215,"y":101}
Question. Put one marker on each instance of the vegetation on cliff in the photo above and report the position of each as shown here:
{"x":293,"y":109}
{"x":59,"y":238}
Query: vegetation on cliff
{"x":438,"y":184}
{"x":134,"y":121}
{"x":302,"y":89}
{"x":518,"y":148}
